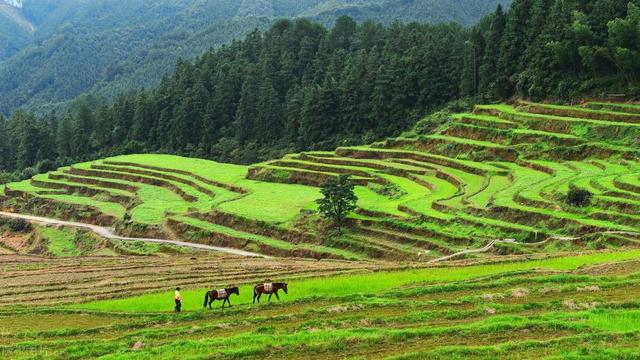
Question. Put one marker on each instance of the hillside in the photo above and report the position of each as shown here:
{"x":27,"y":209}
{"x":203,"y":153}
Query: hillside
{"x":503,"y":172}
{"x":15,"y":31}
{"x":138,"y":41}
{"x":300,"y":86}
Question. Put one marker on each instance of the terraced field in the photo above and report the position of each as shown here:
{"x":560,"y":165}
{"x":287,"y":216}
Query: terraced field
{"x":576,"y":306}
{"x":500,"y":172}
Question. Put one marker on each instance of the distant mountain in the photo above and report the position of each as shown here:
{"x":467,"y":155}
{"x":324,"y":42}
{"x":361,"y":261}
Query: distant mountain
{"x":52,"y":51}
{"x":14,"y":3}
{"x":15,"y":31}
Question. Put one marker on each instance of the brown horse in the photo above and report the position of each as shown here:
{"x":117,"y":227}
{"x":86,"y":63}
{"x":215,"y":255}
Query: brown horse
{"x":269,"y":288}
{"x":222,"y":294}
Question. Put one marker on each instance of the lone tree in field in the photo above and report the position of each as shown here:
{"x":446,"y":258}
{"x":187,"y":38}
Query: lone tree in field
{"x":339,"y":199}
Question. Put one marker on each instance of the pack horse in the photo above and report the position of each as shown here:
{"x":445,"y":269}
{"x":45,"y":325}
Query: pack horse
{"x":269,"y":288}
{"x":221,"y":294}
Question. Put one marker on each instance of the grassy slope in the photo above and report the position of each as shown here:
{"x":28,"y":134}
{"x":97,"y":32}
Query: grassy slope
{"x":402,"y":182}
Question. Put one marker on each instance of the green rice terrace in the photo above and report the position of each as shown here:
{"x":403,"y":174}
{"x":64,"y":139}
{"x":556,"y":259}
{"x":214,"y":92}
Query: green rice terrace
{"x":498,"y":179}
{"x":508,"y":232}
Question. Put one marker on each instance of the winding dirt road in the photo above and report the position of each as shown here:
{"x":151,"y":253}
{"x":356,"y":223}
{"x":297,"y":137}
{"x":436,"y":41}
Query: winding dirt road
{"x":109,"y":234}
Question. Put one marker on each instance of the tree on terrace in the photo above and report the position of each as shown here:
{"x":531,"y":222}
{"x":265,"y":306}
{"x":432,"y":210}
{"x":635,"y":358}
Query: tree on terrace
{"x":338,"y":201}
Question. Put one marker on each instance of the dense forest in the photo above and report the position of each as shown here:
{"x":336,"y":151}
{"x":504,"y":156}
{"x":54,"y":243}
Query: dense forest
{"x":555,"y":49}
{"x":300,"y":86}
{"x":52,"y":51}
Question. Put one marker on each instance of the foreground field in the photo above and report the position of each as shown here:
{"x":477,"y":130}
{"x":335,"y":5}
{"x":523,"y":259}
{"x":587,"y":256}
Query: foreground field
{"x":578,"y":305}
{"x":501,"y":172}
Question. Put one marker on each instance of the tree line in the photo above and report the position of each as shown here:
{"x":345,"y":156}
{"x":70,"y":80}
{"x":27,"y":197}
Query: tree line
{"x":299,"y":86}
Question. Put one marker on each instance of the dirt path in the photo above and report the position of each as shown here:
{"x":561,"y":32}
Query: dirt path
{"x":109,"y":234}
{"x":491,"y":244}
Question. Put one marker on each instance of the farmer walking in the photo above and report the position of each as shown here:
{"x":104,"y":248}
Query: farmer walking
{"x":178,"y":299}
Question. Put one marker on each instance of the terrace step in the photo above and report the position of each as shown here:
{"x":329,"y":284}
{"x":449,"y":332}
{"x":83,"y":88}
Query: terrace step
{"x":420,"y":232}
{"x":468,"y":166}
{"x":383,"y":248}
{"x":419,"y":242}
{"x":82,"y":190}
{"x":287,"y":175}
{"x":132,"y":178}
{"x":154,"y":174}
{"x":443,"y":145}
{"x":609,"y":130}
{"x":485,"y":120}
{"x":202,"y":231}
{"x":631,"y":108}
{"x":324,"y":168}
{"x":381,"y":166}
{"x":211,"y":182}
{"x":583,"y":113}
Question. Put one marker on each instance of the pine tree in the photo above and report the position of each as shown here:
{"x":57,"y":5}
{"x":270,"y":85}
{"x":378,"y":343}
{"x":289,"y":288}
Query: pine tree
{"x":488,"y":70}
{"x":81,"y":130}
{"x":247,"y":109}
{"x":513,"y":45}
{"x":27,"y":139}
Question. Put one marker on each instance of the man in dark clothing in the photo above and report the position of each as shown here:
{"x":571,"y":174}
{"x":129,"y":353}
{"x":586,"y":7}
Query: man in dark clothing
{"x":178,"y":299}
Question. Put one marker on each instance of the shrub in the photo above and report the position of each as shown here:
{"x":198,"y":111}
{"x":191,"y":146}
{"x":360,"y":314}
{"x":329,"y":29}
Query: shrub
{"x":6,"y":177}
{"x":430,"y":123}
{"x":28,"y":173}
{"x":46,"y":166}
{"x":15,"y":225}
{"x":578,"y":197}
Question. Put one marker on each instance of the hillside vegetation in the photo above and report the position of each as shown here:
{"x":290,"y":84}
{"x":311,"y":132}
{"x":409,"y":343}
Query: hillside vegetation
{"x":548,"y":177}
{"x":120,"y":46}
{"x":300,"y":86}
{"x":15,"y":31}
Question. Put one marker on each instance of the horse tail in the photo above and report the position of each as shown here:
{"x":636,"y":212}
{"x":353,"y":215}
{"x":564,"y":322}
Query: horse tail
{"x":255,"y":293}
{"x":206,"y":298}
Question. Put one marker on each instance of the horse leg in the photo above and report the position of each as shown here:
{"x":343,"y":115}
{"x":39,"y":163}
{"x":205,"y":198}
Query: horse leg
{"x":277,"y":297}
{"x":229,"y":301}
{"x":211,"y":301}
{"x":223,"y":301}
{"x":270,"y":297}
{"x":259,"y":295}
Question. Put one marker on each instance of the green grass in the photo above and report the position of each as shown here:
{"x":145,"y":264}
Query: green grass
{"x":618,"y":321}
{"x":279,"y":203}
{"x":225,"y":173}
{"x":496,"y":185}
{"x":59,"y":242}
{"x":457,"y":140}
{"x":353,"y":284}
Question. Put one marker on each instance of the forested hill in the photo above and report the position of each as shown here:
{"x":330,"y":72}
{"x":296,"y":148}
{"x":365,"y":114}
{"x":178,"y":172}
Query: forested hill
{"x":106,"y":47}
{"x":300,"y":86}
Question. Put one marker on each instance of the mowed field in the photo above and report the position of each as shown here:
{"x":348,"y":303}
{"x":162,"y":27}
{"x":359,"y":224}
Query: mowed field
{"x":574,"y":306}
